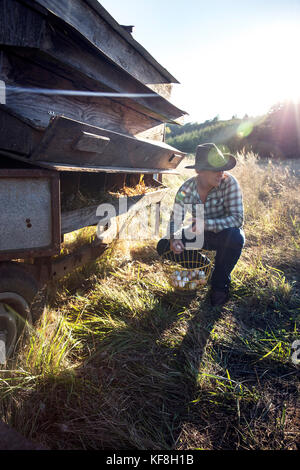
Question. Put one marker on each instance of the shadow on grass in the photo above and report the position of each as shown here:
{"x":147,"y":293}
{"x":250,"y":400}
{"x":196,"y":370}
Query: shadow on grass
{"x":140,"y":386}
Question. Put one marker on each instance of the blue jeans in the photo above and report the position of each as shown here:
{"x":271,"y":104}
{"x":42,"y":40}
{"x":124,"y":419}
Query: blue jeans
{"x":227,"y":244}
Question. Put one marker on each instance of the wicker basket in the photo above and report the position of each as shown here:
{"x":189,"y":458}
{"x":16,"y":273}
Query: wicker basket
{"x":188,"y":271}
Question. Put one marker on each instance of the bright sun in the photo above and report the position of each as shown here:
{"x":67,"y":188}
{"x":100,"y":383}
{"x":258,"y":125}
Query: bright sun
{"x":245,"y":74}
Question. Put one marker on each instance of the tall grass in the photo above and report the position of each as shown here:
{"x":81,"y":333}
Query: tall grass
{"x":121,"y":361}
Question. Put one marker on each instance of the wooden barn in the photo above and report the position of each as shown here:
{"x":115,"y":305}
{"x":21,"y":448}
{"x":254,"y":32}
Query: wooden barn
{"x":83,"y":109}
{"x":57,"y":58}
{"x":81,"y":98}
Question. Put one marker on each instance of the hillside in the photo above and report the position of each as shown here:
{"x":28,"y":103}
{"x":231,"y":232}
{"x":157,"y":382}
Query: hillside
{"x":273,"y":135}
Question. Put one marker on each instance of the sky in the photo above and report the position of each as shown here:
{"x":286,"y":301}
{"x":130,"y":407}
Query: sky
{"x":231,"y":57}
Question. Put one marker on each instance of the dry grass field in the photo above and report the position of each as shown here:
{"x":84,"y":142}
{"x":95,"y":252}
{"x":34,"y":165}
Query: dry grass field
{"x":121,"y":361}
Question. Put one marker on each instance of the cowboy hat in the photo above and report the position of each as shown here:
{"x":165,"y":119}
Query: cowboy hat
{"x":210,"y":158}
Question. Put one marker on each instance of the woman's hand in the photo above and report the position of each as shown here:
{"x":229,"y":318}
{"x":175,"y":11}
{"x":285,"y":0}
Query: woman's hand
{"x":176,"y":246}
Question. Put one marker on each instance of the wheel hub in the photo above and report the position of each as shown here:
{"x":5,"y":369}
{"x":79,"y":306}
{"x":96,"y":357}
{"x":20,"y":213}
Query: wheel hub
{"x":14,"y":312}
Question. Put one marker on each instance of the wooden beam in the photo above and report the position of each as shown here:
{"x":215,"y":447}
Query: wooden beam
{"x":20,"y":25}
{"x":99,"y":169}
{"x":76,"y":219}
{"x":88,"y":142}
{"x":61,"y":266}
{"x":99,"y":33}
{"x":17,"y":136}
{"x":39,"y":109}
{"x":67,"y":48}
{"x":57,"y":145}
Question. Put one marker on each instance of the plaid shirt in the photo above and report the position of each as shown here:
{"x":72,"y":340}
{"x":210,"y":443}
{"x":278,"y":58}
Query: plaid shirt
{"x":223,"y":207}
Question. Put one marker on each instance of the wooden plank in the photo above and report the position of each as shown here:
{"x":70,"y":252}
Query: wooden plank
{"x":62,"y":266}
{"x":17,"y":135}
{"x":39,"y":109}
{"x":121,"y":115}
{"x":76,"y":219}
{"x":57,"y":145}
{"x":163,"y":89}
{"x":65,"y":49}
{"x":20,"y":25}
{"x":155,"y":133}
{"x":63,"y":46}
{"x":88,"y":142}
{"x":99,"y":169}
{"x":102,"y":36}
{"x":130,"y":39}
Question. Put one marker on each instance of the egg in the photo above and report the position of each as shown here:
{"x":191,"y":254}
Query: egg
{"x":203,"y":281}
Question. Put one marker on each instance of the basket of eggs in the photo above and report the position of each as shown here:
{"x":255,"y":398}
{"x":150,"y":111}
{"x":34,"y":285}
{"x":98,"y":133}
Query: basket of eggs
{"x":188,"y":271}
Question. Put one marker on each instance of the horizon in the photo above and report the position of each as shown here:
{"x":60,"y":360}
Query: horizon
{"x":231,"y":58}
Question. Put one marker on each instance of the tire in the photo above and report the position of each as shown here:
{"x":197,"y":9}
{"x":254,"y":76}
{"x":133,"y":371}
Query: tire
{"x":21,"y":300}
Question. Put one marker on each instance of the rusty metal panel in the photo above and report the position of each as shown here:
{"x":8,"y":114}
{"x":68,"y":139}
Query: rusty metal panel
{"x":29,"y":213}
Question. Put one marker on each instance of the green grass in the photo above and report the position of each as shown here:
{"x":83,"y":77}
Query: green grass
{"x":121,"y":361}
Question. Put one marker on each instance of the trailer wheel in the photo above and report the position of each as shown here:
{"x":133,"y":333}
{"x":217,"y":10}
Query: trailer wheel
{"x":21,"y":301}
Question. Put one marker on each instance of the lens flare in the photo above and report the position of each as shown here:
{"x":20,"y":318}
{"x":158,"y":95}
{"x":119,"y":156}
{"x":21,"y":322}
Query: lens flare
{"x":215,"y":159}
{"x":244,"y":129}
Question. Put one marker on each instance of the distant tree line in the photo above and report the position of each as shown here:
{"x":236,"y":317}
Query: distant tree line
{"x":274,"y":135}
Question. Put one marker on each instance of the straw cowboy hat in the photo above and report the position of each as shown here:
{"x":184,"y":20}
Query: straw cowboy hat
{"x":210,"y":158}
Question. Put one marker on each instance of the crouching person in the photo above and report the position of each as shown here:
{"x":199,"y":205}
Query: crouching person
{"x":218,"y":194}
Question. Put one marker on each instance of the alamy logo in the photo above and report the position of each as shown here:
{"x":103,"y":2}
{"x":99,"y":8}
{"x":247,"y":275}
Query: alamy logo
{"x":296,"y":353}
{"x":2,"y":92}
{"x":134,"y":222}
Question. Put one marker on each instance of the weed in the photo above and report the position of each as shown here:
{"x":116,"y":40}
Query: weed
{"x":121,"y":361}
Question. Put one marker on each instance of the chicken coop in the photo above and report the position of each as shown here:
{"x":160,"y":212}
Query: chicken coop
{"x":83,"y":110}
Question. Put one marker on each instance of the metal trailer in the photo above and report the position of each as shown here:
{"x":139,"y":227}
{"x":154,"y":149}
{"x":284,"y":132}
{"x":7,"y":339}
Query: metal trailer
{"x":83,"y":105}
